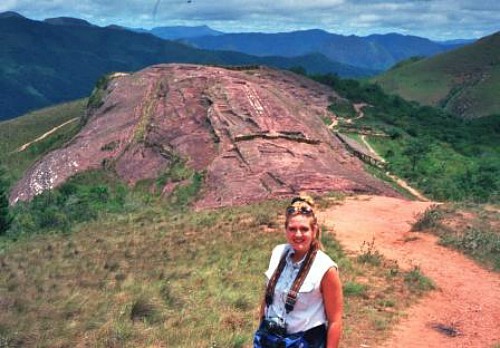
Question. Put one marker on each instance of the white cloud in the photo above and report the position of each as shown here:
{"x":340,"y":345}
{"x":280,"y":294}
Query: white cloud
{"x":430,"y":18}
{"x":7,"y":5}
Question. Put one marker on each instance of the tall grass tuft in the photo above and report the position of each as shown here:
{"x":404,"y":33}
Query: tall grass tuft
{"x":417,"y":281}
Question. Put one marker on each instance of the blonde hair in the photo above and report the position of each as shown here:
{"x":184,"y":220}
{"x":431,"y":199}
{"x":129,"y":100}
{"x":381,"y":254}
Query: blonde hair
{"x":304,"y":201}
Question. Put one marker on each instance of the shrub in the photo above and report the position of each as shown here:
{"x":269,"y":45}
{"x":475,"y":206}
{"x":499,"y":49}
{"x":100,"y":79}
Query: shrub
{"x":481,"y":244}
{"x":428,"y":220}
{"x":78,"y":200}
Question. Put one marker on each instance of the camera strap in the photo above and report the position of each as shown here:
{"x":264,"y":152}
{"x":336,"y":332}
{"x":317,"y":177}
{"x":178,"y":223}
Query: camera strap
{"x":293,"y":293}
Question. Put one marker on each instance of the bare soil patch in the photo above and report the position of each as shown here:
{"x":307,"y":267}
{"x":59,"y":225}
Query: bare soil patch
{"x":464,"y":310}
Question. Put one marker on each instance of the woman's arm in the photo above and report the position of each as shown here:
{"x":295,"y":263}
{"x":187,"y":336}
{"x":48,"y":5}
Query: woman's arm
{"x":331,"y":289}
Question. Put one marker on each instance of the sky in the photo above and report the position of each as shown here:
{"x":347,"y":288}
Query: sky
{"x":433,"y":19}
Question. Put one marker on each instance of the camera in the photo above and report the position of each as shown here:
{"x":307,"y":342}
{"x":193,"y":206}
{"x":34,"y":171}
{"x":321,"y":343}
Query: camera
{"x":275,"y":326}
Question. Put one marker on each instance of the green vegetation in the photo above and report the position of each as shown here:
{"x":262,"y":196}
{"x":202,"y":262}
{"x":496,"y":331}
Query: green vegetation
{"x":342,"y":108}
{"x":153,"y":275}
{"x":429,"y":220}
{"x":369,"y":254}
{"x":96,"y":99}
{"x":351,"y":289}
{"x":22,"y":130}
{"x":406,"y":62}
{"x":187,"y":183}
{"x":464,"y":82}
{"x":417,"y":281}
{"x":5,"y":215}
{"x":445,"y":157}
{"x":97,"y":263}
{"x":472,"y":229}
{"x":82,"y":198}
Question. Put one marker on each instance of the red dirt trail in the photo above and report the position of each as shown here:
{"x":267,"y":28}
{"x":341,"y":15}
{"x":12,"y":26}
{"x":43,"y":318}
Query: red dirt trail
{"x":467,"y":297}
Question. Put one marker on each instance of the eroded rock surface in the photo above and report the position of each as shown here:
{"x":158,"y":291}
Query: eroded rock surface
{"x":256,"y":134}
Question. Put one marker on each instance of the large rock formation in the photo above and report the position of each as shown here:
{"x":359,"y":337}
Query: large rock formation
{"x":256,"y":134}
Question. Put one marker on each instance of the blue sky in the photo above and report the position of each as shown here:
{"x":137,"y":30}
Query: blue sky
{"x":434,"y":19}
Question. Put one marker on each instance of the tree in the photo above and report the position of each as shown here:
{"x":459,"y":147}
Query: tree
{"x":5,"y":217}
{"x":416,"y":150}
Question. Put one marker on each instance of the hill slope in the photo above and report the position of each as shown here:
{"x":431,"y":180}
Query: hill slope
{"x":248,"y":135}
{"x":465,"y":81}
{"x":43,"y":64}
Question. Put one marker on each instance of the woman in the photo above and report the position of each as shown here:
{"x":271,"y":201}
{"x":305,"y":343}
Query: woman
{"x":304,"y":293}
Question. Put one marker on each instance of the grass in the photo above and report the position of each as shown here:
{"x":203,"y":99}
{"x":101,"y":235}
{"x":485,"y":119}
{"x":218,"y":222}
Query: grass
{"x":157,"y":277}
{"x":19,"y":131}
{"x":369,"y":254}
{"x":470,"y":228}
{"x":461,"y":81}
{"x":418,"y":281}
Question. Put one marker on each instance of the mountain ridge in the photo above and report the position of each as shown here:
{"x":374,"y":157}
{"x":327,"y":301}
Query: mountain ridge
{"x":44,"y":64}
{"x":377,"y":51}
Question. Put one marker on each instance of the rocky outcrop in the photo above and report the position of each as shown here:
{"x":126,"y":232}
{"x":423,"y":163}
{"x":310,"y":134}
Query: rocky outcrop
{"x":256,"y":133}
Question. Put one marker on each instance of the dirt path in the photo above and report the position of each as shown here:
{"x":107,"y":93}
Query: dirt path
{"x":402,"y":183}
{"x":467,"y":297}
{"x":407,"y":187}
{"x":46,"y":134}
{"x":359,"y":110}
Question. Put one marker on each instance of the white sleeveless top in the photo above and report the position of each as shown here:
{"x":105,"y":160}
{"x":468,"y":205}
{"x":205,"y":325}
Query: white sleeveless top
{"x":309,"y":311}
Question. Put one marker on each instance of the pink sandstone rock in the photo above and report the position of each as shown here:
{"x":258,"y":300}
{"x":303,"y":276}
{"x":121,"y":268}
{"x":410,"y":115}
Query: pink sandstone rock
{"x":255,"y":133}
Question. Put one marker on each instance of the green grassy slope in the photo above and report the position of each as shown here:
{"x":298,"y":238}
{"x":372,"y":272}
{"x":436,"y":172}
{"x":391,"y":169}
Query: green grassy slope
{"x":19,"y":131}
{"x":465,"y":82}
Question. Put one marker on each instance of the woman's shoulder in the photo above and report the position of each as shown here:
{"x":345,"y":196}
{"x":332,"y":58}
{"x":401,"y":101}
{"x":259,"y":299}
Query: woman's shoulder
{"x":278,"y":252}
{"x":280,"y":249}
{"x":325,"y":260}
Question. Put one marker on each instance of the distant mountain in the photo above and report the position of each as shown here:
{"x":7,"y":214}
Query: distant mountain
{"x":460,"y":42}
{"x":183,"y":32}
{"x":465,"y":81}
{"x":10,"y":14}
{"x":67,"y":21}
{"x":43,"y":64}
{"x":377,"y":52}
